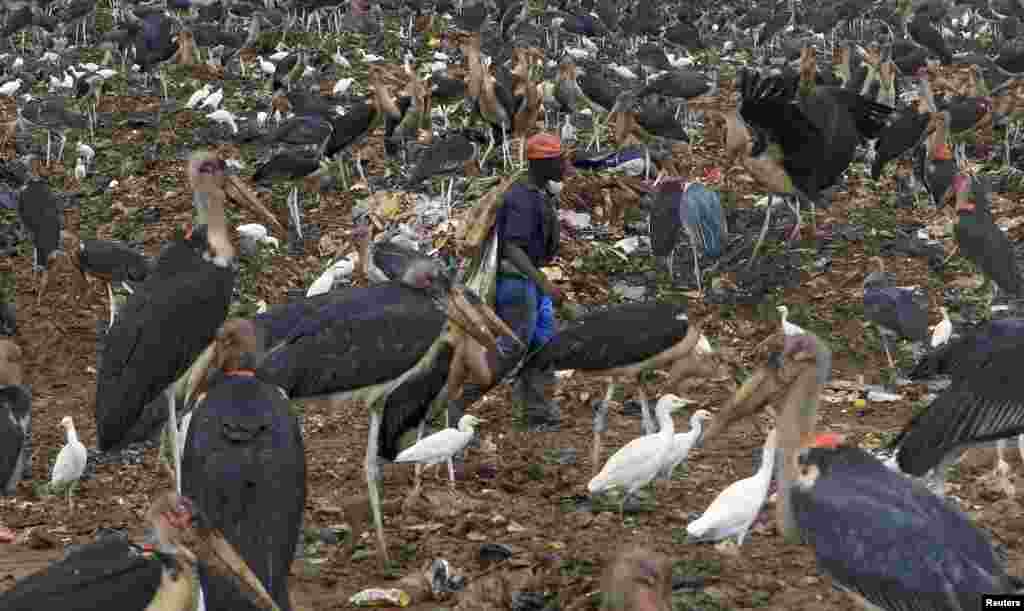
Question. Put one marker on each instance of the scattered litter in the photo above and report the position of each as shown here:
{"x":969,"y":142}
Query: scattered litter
{"x":575,"y":220}
{"x":883,"y":397}
{"x":379,"y":597}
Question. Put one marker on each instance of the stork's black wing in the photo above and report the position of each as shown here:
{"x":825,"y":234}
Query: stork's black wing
{"x":355,"y":343}
{"x":154,"y":340}
{"x":618,"y":336}
{"x":888,"y":539}
{"x":244,"y":465}
{"x":12,"y":438}
{"x":955,"y":356}
{"x":904,"y":133}
{"x":985,"y":244}
{"x":984,"y":404}
{"x":105,"y":575}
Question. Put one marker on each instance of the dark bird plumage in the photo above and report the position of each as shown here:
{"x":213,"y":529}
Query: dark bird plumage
{"x":244,"y":466}
{"x":113,"y":261}
{"x":984,"y":403}
{"x":954,"y":357}
{"x":446,"y":155}
{"x":903,"y":311}
{"x":906,"y":131}
{"x":596,"y":341}
{"x":15,"y":426}
{"x":983,"y":242}
{"x":40,"y":213}
{"x":925,"y":34}
{"x":818,"y":134}
{"x":889,"y":540}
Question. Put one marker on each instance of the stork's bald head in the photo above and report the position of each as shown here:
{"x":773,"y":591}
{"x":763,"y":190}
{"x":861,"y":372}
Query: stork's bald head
{"x":206,"y":172}
{"x":239,"y":345}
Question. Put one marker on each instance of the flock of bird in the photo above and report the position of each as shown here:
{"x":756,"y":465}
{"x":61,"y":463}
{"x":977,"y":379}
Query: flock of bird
{"x":414,"y":334}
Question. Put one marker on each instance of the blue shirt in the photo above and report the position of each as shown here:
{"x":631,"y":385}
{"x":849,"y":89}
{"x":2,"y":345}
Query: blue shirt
{"x":528,"y":219}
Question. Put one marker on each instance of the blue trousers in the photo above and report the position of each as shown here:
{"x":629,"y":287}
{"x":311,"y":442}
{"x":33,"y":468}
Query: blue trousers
{"x":529,"y":312}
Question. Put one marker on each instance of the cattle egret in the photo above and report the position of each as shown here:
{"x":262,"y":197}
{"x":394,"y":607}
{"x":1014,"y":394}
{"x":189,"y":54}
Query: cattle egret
{"x":80,"y":169}
{"x":86,"y":152}
{"x":735,"y":508}
{"x":342,"y":268}
{"x":943,"y":331}
{"x":265,"y":66}
{"x":683,"y":442}
{"x":342,"y":86}
{"x":10,"y":88}
{"x":197,"y":97}
{"x":223,"y":116}
{"x":214,"y":100}
{"x":639,"y":461}
{"x":441,"y":446}
{"x":787,"y":327}
{"x":71,"y":460}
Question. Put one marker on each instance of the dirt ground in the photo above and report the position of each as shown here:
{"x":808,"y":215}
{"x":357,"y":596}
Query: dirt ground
{"x":528,"y":504}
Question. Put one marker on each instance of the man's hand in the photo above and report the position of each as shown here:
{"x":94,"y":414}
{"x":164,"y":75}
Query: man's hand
{"x":552,"y":291}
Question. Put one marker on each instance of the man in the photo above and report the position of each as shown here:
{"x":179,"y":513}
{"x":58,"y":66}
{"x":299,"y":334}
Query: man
{"x":528,"y":231}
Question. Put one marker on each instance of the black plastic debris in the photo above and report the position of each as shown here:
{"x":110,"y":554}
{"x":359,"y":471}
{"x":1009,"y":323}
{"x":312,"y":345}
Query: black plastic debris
{"x":494,"y":552}
{"x":442,"y":581}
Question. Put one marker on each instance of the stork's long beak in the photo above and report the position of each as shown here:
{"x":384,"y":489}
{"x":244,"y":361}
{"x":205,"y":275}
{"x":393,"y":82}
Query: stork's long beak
{"x":477,"y":319}
{"x":755,"y":393}
{"x":222,"y":558}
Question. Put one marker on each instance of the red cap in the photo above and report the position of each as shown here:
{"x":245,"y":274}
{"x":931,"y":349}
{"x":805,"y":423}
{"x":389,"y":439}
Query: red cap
{"x":829,"y":440}
{"x":543,"y":146}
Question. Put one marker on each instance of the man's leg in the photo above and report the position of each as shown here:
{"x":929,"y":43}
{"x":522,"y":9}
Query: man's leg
{"x":515,"y":304}
{"x":537,"y":386}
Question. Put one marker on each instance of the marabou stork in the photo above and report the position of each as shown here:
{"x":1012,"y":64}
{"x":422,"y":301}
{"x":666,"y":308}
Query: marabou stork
{"x":40,"y":214}
{"x":114,"y":574}
{"x":163,"y":328}
{"x":244,"y":464}
{"x":810,"y":140}
{"x":387,"y":346}
{"x":981,"y":240}
{"x":661,"y":337}
{"x":982,"y":404}
{"x":895,"y":310}
{"x":112,"y":262}
{"x":15,"y":419}
{"x":676,"y":205}
{"x":887,"y":541}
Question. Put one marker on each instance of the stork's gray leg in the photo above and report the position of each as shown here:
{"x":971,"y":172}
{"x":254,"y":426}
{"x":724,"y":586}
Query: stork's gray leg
{"x":372,"y":481}
{"x":937,"y":479}
{"x":1001,"y":472}
{"x":113,"y":311}
{"x":293,"y":211}
{"x":885,"y":345}
{"x":696,"y":266}
{"x":649,"y":424}
{"x":172,"y":421}
{"x":595,"y":451}
{"x":764,"y":231}
{"x":419,"y":467}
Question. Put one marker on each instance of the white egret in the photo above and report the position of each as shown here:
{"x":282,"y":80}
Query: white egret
{"x":71,"y":460}
{"x":639,"y":461}
{"x":682,"y":443}
{"x":440,"y":447}
{"x":787,"y":327}
{"x":735,"y":508}
{"x":943,"y":331}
